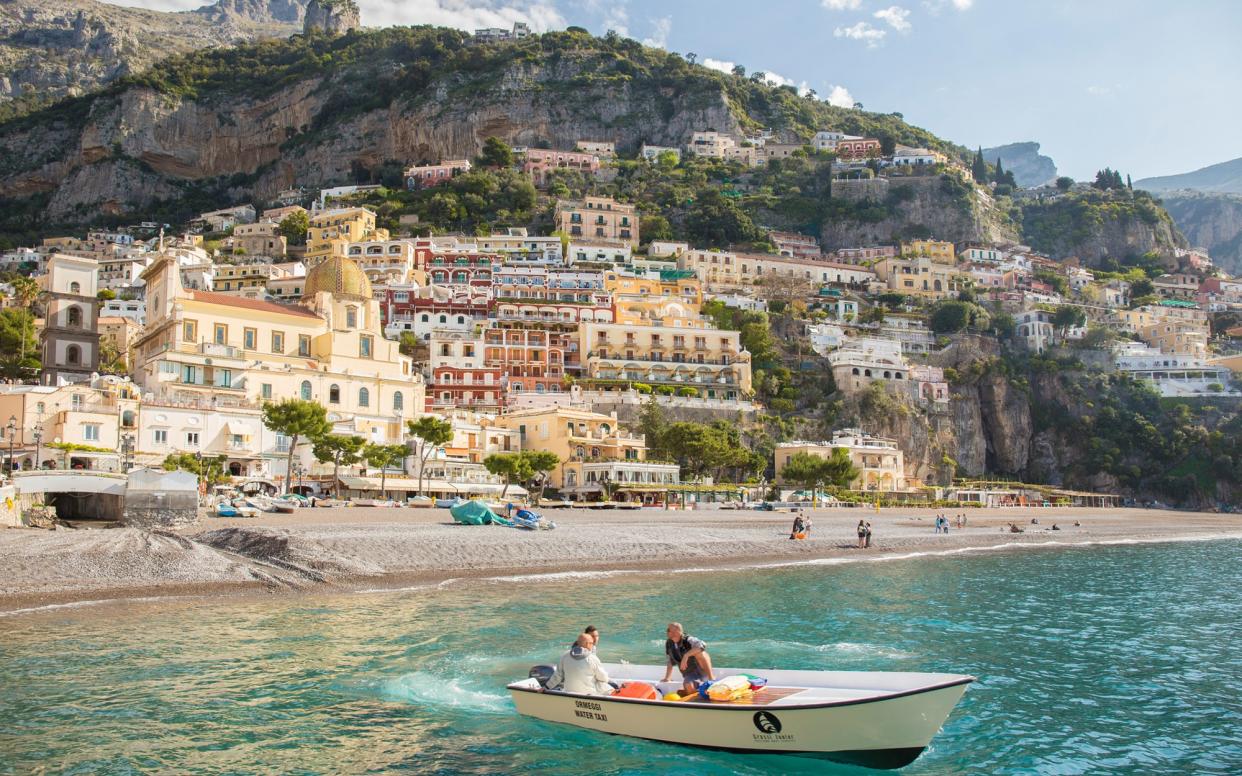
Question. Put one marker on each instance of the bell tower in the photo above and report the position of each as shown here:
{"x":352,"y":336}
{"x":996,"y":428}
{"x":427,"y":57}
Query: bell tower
{"x":70,"y":338}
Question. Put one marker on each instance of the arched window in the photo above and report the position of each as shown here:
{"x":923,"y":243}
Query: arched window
{"x":351,"y":317}
{"x":581,"y":451}
{"x":364,"y":397}
{"x":73,"y":355}
{"x":127,"y":419}
{"x":443,"y":319}
{"x":74,"y":316}
{"x":866,"y":372}
{"x":426,"y":318}
{"x":398,"y":401}
{"x":855,"y":370}
{"x":334,"y":394}
{"x":75,"y":287}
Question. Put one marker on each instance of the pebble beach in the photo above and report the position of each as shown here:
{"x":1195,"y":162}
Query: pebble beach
{"x":384,"y":548}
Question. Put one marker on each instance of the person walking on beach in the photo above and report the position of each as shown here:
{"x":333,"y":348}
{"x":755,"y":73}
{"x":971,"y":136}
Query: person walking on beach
{"x":868,"y":536}
{"x":862,"y":533}
{"x":689,"y":655}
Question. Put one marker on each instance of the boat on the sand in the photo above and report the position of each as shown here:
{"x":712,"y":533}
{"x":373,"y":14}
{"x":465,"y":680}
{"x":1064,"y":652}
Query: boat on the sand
{"x":873,"y":718}
{"x":473,"y":513}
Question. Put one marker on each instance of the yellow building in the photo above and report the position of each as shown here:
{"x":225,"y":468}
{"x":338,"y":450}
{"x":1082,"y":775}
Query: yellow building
{"x":593,"y":449}
{"x":238,"y":278}
{"x":655,"y":297}
{"x":331,"y":231}
{"x":880,"y":462}
{"x":711,"y":362}
{"x":599,"y":219}
{"x":211,"y":349}
{"x":920,"y":276}
{"x":937,"y":250}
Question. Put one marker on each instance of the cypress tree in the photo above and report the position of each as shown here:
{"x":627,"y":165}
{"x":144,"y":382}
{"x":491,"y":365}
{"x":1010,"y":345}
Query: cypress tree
{"x":979,"y":168}
{"x":999,"y":177}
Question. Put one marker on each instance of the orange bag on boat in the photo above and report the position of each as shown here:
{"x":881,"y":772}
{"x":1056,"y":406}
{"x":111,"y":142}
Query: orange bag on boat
{"x":639,"y":690}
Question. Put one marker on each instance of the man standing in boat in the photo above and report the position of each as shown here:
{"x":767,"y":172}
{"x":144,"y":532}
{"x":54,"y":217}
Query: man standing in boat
{"x":689,"y":655}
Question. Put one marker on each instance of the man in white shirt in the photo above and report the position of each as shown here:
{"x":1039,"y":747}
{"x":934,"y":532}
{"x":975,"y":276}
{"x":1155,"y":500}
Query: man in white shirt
{"x":579,"y":670}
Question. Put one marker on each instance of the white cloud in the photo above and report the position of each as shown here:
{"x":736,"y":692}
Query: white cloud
{"x":936,"y":6}
{"x":840,"y":97}
{"x":841,"y":5}
{"x":896,"y":17}
{"x":659,"y":32}
{"x":718,"y":64}
{"x":861,"y":31}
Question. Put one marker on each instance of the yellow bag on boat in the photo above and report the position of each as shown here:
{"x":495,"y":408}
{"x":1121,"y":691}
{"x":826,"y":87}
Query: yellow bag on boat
{"x":672,"y":696}
{"x":731,"y":688}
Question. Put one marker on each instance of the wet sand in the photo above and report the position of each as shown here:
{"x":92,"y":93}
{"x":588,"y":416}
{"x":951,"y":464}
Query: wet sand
{"x":377,"y":548}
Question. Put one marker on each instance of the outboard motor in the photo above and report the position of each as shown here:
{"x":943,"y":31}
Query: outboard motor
{"x":543,"y":674}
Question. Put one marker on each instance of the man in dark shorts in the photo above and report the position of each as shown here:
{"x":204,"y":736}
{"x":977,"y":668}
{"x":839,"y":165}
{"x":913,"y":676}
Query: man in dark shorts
{"x":689,"y":655}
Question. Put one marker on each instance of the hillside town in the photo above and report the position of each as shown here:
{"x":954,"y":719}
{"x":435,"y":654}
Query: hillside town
{"x":160,"y":345}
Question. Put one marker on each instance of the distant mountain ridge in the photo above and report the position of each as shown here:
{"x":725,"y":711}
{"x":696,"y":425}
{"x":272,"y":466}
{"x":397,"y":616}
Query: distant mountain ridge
{"x":1030,"y":168}
{"x":52,"y":49}
{"x":1223,"y":178}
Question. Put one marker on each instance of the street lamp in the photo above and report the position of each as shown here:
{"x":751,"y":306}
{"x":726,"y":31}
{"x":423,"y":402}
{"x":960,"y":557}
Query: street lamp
{"x":127,"y":451}
{"x":38,"y":438}
{"x":12,"y":429}
{"x":299,"y":470}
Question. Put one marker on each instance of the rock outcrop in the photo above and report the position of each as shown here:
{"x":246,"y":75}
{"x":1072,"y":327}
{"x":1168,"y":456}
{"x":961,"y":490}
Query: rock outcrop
{"x":1210,"y":221}
{"x":941,"y":206}
{"x":334,"y":17}
{"x":1030,"y":168}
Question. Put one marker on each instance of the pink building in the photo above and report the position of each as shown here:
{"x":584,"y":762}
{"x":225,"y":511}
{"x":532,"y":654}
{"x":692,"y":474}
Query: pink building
{"x":859,"y":148}
{"x":540,"y":162}
{"x":427,"y":175}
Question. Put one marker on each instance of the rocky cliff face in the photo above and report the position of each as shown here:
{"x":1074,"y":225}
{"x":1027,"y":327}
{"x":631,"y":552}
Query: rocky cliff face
{"x":946,"y":209}
{"x":1030,"y":168}
{"x":1211,"y":221}
{"x":51,"y":49}
{"x":152,"y":142}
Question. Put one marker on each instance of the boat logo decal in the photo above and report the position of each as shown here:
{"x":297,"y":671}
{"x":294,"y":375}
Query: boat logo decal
{"x":767,"y":722}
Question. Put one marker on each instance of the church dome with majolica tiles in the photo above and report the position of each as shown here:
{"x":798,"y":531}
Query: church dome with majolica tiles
{"x":339,"y":276}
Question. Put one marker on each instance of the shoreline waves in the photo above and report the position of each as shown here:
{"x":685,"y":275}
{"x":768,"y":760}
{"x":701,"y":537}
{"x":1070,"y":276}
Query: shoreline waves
{"x":377,"y":551}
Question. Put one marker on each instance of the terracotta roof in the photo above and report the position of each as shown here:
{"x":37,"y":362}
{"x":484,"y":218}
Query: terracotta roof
{"x":225,"y":300}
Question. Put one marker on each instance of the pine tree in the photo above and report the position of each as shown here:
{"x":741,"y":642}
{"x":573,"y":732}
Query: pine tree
{"x":999,"y":176}
{"x":1129,"y":183}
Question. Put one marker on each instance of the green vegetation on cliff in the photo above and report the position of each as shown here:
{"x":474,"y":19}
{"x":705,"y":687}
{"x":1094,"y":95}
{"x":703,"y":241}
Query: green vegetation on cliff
{"x":1073,"y":221}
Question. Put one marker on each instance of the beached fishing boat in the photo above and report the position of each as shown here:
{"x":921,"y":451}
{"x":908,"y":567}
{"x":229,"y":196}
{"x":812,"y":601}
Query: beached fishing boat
{"x":449,"y":503}
{"x":871,"y":718}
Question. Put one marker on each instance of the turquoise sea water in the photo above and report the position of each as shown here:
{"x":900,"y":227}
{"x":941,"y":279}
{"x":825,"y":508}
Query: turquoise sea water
{"x":1103,"y":660}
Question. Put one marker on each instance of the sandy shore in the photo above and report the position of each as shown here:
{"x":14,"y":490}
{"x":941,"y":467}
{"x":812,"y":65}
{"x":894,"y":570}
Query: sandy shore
{"x":364,"y":548}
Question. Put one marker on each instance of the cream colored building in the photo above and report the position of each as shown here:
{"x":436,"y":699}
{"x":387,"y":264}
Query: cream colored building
{"x":921,"y":276}
{"x":723,"y":269}
{"x":387,"y":262}
{"x":260,"y":239}
{"x":598,"y":219}
{"x":880,"y":462}
{"x":712,"y":362}
{"x":248,"y":279}
{"x":49,"y":419}
{"x":207,"y":349}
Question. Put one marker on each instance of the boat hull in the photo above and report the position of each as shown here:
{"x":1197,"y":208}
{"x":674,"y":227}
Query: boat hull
{"x":883,"y":732}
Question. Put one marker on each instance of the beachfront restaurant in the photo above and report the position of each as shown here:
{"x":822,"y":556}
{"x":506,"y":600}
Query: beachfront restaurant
{"x":404,"y":487}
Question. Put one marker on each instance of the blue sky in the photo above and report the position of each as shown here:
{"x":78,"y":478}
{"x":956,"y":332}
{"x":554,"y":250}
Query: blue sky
{"x":1149,"y":87}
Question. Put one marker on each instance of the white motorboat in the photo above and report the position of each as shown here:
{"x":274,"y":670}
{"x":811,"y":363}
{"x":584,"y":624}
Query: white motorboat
{"x":872,"y":718}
